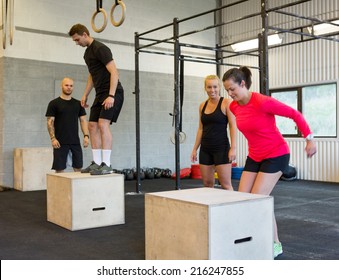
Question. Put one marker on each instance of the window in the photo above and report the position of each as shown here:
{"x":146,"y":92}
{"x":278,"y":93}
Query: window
{"x":318,"y":104}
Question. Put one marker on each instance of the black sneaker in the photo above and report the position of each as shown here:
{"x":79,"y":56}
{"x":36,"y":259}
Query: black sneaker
{"x":102,"y":170}
{"x":91,"y":167}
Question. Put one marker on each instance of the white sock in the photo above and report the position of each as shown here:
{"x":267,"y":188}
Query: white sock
{"x":106,"y":157}
{"x":97,"y":157}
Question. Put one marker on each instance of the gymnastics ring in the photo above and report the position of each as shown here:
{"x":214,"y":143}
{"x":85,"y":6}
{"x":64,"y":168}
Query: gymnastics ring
{"x":123,"y":9}
{"x":98,"y":30}
{"x":4,"y":18}
{"x":182,"y":137}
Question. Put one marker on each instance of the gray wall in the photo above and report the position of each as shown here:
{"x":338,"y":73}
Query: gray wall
{"x":42,"y":54}
{"x":28,"y":86}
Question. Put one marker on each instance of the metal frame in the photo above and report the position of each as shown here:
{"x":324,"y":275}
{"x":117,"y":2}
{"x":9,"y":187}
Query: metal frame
{"x":218,"y":60}
{"x":179,"y":58}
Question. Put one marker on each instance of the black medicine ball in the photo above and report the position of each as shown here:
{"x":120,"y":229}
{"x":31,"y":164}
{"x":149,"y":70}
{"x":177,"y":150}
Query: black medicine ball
{"x":290,"y":174}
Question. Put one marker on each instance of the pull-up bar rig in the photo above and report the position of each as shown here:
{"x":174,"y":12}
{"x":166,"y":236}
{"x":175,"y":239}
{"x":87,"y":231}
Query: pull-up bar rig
{"x":178,"y":57}
{"x":219,"y":51}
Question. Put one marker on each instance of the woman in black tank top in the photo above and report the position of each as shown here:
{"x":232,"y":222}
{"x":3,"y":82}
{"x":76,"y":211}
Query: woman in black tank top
{"x":216,"y":151}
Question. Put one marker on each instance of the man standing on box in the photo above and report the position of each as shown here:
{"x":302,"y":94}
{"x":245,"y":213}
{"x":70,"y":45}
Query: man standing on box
{"x":63,"y":114}
{"x":104,"y":78}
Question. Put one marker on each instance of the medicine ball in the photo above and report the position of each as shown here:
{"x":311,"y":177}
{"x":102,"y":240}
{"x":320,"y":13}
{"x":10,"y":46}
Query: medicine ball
{"x":290,"y":174}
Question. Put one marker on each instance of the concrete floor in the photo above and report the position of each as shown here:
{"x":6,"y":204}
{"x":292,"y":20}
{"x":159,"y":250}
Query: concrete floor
{"x":306,"y":213}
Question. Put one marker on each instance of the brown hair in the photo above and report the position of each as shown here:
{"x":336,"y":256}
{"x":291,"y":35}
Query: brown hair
{"x":238,"y":75}
{"x":78,"y":29}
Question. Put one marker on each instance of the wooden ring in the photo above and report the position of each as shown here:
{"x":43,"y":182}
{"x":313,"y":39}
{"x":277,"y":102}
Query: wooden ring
{"x":98,"y":30}
{"x":123,"y":9}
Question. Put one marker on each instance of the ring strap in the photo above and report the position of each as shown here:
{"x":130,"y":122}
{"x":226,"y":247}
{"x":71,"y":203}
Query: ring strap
{"x":4,"y":20}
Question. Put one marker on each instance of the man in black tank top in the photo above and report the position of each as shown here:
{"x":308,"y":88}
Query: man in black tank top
{"x":216,"y":151}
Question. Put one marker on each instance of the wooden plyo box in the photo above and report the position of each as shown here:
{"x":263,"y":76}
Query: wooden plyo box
{"x":79,"y":201}
{"x":31,"y":166}
{"x":207,"y":223}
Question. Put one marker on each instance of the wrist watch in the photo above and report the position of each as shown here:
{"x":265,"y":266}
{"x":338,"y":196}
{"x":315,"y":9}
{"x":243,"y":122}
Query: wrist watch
{"x":309,"y":137}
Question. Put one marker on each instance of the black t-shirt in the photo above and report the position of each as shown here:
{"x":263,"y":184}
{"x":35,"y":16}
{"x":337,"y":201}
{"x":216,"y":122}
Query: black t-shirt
{"x":66,"y":115}
{"x":96,"y":56}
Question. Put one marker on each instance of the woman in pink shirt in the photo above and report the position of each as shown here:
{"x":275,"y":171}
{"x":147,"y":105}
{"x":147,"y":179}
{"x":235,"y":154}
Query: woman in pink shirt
{"x":268,"y":153}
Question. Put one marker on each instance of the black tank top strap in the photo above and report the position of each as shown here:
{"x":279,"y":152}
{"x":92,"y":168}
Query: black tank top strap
{"x":220,"y":102}
{"x":218,"y":106}
{"x":203,"y":108}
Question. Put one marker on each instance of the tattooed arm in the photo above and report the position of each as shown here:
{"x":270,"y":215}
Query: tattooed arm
{"x":51,"y":131}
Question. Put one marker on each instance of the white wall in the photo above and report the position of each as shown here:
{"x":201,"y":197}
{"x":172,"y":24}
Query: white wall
{"x":311,"y":62}
{"x":41,"y":28}
{"x":42,"y":54}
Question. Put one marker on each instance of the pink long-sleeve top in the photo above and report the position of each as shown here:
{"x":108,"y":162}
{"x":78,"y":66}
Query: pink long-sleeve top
{"x":256,"y":120}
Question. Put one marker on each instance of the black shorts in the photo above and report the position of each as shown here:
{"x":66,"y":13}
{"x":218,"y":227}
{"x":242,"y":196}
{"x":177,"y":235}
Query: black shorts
{"x":112,"y":114}
{"x":216,"y":157}
{"x":60,"y":157}
{"x":269,"y":165}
